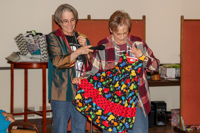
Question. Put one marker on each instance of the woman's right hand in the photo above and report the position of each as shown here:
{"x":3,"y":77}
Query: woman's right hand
{"x":85,"y":50}
{"x":80,"y":51}
{"x":77,"y":80}
{"x":10,"y":117}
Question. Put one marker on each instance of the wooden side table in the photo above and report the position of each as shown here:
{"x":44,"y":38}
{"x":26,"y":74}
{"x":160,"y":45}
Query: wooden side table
{"x":26,"y":66}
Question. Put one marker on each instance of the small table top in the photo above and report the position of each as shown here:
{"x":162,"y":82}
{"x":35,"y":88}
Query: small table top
{"x":30,"y":65}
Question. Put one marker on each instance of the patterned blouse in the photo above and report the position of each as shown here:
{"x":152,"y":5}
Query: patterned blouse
{"x":60,"y":70}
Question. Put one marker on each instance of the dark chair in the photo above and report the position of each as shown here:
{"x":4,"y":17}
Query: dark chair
{"x":23,"y":127}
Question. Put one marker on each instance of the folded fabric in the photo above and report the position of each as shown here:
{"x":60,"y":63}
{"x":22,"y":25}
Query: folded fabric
{"x":13,"y":57}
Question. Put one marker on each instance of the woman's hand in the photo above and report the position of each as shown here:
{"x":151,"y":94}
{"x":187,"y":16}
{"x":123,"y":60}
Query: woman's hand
{"x":84,"y":50}
{"x":80,"y":51}
{"x":136,"y":51}
{"x":10,"y":117}
{"x":82,"y":40}
{"x":77,"y":80}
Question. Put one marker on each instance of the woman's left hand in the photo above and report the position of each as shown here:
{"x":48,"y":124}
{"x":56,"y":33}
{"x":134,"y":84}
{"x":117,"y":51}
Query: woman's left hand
{"x":136,"y":51}
{"x":82,"y":40}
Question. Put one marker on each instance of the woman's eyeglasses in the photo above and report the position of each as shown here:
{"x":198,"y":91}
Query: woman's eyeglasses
{"x":65,"y":21}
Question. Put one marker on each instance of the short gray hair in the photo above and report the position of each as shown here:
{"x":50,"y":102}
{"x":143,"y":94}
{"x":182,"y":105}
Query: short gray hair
{"x":119,"y":18}
{"x":64,"y":7}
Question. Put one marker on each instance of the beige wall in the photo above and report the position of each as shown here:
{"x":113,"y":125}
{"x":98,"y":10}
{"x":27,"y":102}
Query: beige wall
{"x":162,"y":36}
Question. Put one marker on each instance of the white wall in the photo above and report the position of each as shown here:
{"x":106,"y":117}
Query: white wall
{"x":162,"y":36}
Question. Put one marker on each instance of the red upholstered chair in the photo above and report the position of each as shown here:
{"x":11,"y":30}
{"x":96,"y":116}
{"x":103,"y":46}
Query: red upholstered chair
{"x":190,"y":72}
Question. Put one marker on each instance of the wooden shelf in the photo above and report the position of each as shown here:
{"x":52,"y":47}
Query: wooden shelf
{"x":164,"y":82}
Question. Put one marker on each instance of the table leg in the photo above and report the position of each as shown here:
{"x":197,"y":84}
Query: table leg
{"x":44,"y":97}
{"x":25,"y":94}
{"x":12,"y":89}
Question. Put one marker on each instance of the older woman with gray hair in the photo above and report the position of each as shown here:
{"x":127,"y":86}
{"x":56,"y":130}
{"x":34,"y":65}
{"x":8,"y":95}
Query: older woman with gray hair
{"x":68,"y":58}
{"x":118,"y":92}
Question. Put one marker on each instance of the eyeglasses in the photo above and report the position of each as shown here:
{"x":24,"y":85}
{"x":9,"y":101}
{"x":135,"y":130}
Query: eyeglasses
{"x":121,"y":34}
{"x":65,"y":21}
